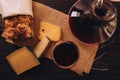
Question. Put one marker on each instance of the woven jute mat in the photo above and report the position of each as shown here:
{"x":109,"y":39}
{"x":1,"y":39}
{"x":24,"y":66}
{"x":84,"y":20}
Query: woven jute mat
{"x":87,"y":52}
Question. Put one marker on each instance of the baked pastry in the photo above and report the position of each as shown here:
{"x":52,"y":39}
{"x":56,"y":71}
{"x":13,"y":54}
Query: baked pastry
{"x":18,"y":19}
{"x":18,"y":27}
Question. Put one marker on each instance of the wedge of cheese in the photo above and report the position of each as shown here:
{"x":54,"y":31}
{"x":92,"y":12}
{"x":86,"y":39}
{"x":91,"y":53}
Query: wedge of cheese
{"x":22,"y":60}
{"x":41,"y":46}
{"x":53,"y":32}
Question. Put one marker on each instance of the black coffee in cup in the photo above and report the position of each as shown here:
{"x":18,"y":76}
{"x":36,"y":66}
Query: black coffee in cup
{"x":65,"y":54}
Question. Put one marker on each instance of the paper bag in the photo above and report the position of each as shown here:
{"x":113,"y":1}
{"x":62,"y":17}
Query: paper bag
{"x":15,"y":7}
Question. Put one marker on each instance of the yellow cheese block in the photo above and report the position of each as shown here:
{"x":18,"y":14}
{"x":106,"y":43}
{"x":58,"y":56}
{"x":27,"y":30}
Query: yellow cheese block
{"x":22,"y":60}
{"x":53,"y":32}
{"x":41,"y":46}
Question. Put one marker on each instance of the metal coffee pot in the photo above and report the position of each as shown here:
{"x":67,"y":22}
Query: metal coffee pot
{"x":93,"y":21}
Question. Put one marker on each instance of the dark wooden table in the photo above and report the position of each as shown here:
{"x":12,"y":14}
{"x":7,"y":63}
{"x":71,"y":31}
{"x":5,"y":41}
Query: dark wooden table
{"x":48,"y":71}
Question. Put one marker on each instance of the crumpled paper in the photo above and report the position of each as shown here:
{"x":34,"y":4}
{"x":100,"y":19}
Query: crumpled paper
{"x":15,"y":7}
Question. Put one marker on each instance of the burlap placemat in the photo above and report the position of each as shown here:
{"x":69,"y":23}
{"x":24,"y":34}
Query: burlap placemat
{"x":87,"y":52}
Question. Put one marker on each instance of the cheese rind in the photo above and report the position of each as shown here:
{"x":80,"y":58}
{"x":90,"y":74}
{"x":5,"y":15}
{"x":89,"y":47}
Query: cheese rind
{"x":53,"y":32}
{"x":41,"y":46}
{"x":22,"y":60}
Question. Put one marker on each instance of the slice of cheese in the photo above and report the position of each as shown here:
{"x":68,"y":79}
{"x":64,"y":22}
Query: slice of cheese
{"x":22,"y":60}
{"x":41,"y":46}
{"x":53,"y":32}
